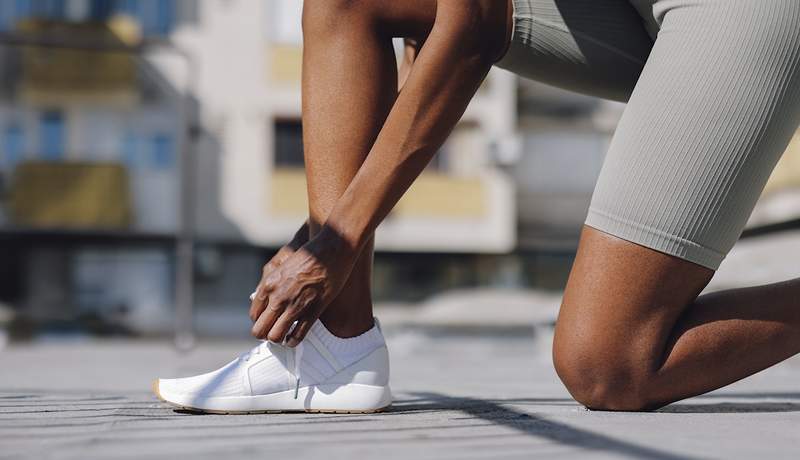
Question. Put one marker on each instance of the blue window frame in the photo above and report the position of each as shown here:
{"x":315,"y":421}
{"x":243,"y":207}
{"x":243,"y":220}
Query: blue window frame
{"x":51,"y":135}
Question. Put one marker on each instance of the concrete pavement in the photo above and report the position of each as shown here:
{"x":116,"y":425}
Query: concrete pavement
{"x":458,"y":395}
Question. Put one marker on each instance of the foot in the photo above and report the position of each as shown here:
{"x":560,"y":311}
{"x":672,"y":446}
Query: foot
{"x":324,"y":373}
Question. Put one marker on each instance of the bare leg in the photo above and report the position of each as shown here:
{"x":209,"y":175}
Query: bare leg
{"x":349,"y":85}
{"x":632,"y":333}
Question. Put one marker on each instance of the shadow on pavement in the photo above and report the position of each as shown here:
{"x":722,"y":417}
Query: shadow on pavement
{"x":759,"y":403}
{"x":726,"y":408}
{"x":497,"y":412}
{"x":533,"y":425}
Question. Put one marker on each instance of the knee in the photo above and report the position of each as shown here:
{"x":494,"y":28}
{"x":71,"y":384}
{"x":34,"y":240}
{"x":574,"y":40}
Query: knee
{"x":326,"y":17}
{"x":602,"y":376}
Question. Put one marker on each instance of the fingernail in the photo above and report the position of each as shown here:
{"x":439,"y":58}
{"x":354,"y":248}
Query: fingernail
{"x":292,"y":342}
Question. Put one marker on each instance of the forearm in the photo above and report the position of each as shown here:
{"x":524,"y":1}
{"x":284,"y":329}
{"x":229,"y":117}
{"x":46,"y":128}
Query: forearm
{"x":445,"y":76}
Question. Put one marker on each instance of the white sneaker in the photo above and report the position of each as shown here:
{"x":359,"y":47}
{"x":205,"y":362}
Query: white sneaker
{"x":275,"y":378}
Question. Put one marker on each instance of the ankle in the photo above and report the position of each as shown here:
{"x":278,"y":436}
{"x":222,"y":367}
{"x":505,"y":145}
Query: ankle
{"x":350,"y":324}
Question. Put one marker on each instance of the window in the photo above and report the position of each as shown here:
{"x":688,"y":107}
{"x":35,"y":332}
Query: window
{"x":6,"y":15}
{"x":13,"y":146}
{"x":157,"y":17}
{"x":100,"y":10}
{"x":289,"y":143}
{"x":51,"y":135}
{"x":289,"y":147}
{"x":163,"y":152}
{"x":130,"y":146}
{"x":53,"y":9}
{"x":12,"y":11}
{"x":165,"y":17}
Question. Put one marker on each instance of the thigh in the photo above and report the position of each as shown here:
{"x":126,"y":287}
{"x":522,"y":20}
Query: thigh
{"x":595,"y":47}
{"x":714,"y":109}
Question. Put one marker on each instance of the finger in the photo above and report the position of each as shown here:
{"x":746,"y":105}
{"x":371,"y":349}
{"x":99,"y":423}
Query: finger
{"x":260,"y":298}
{"x":299,"y":332}
{"x":267,"y":318}
{"x":252,"y":311}
{"x":282,"y":325}
{"x":258,"y":301}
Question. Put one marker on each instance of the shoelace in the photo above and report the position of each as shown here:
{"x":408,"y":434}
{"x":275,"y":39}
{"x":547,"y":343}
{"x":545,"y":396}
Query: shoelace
{"x":298,"y":354}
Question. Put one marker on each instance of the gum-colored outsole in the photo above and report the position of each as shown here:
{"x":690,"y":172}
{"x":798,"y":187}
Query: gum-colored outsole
{"x":245,"y":412}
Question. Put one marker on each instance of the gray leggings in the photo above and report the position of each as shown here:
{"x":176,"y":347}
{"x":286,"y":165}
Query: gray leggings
{"x":713,"y":91}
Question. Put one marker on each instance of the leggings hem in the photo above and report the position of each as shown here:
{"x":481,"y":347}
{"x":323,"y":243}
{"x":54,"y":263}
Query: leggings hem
{"x":654,"y":239}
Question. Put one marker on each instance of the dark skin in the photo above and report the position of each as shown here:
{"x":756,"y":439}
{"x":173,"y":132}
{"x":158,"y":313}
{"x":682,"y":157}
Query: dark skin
{"x":632,"y":333}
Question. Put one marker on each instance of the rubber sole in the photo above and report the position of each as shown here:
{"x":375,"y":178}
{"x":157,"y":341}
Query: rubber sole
{"x":330,"y":399}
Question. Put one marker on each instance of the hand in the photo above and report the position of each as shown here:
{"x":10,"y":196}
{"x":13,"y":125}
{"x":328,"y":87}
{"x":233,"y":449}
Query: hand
{"x":301,"y":287}
{"x":259,"y":296}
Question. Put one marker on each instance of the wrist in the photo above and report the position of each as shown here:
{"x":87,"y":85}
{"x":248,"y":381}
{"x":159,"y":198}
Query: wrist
{"x":335,"y":244}
{"x":301,"y":237}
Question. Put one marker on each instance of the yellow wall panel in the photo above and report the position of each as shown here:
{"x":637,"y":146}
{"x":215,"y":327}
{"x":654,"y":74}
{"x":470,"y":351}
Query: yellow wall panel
{"x":787,"y":172}
{"x":286,"y":62}
{"x":432,"y":195}
{"x":70,"y":195}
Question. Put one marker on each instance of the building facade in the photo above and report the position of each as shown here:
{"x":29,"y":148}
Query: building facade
{"x":109,"y":97}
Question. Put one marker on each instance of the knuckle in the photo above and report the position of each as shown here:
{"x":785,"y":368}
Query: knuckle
{"x":271,"y":279}
{"x":277,"y":304}
{"x":267,"y":286}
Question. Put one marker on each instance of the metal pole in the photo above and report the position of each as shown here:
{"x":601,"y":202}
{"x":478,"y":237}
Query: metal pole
{"x":184,"y":255}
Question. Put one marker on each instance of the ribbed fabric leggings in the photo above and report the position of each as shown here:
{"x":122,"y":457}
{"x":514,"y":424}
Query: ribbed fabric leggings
{"x":713,"y":91}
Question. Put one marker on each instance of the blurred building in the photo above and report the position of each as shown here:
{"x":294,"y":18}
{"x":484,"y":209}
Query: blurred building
{"x":106,"y":106}
{"x":251,"y":98}
{"x":100,"y":100}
